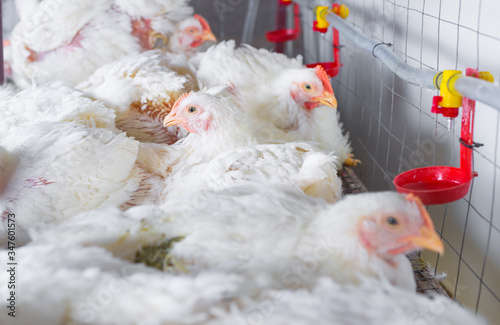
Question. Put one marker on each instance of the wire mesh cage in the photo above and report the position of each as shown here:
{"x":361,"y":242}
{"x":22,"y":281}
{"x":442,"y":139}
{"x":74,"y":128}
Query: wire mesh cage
{"x":390,"y":122}
{"x":392,"y":128}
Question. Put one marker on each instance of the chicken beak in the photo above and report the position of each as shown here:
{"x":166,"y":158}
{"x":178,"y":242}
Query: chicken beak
{"x":208,"y":36}
{"x":428,"y":238}
{"x":172,"y":120}
{"x":200,"y":39}
{"x":328,"y":99}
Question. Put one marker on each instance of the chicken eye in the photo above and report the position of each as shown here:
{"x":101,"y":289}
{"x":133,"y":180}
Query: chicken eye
{"x":307,"y":87}
{"x":191,"y":109}
{"x":392,"y":221}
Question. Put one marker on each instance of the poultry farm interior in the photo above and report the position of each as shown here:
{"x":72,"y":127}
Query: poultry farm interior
{"x":156,"y":170}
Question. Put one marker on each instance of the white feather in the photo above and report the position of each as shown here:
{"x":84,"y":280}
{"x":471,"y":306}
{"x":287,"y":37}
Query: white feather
{"x":142,"y":88}
{"x":64,"y":168}
{"x":52,"y":103}
{"x":333,"y":303}
{"x":71,"y":284}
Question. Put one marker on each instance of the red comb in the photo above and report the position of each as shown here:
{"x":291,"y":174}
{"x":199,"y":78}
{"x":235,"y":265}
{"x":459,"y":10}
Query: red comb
{"x":203,"y":22}
{"x":180,"y":99}
{"x":425,"y":215}
{"x":323,"y":76}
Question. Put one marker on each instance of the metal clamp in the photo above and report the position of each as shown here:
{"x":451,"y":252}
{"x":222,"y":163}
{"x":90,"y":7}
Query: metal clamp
{"x":470,"y":146}
{"x":373,"y":49}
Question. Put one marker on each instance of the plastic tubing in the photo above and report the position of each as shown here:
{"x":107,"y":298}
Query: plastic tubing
{"x":473,"y":88}
{"x":419,"y":77}
{"x":479,"y":90}
{"x":249,"y":25}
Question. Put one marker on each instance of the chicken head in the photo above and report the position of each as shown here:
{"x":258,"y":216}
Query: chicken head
{"x":191,"y":33}
{"x":190,"y":114}
{"x":312,"y":88}
{"x":403,"y":227}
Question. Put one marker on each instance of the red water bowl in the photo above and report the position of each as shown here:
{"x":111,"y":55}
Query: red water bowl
{"x":282,"y":35}
{"x":435,"y":185}
{"x":331,"y":68}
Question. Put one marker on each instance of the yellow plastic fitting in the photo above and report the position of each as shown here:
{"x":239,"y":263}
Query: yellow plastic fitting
{"x":342,"y":11}
{"x":486,"y":75}
{"x":451,"y":98}
{"x":320,"y":17}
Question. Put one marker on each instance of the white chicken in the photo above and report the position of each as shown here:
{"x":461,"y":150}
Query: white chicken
{"x":329,"y":302}
{"x":54,"y":170}
{"x":69,"y":284}
{"x":27,"y":110}
{"x":363,"y":234}
{"x":221,"y":152}
{"x":283,"y":99}
{"x":69,"y":40}
{"x":273,"y":234}
{"x":142,"y":89}
{"x":51,"y":103}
